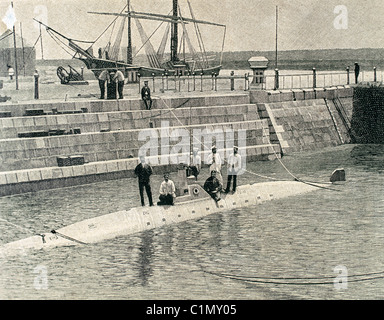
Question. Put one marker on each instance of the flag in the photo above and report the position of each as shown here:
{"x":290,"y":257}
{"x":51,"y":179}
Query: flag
{"x":9,"y":18}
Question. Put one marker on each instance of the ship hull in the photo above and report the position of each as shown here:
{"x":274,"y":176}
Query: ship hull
{"x":98,"y":65}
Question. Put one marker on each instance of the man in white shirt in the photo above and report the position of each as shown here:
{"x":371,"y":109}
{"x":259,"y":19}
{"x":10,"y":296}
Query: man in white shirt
{"x":119,"y":77}
{"x":103,"y":77}
{"x":11,"y":72}
{"x":234,"y":167}
{"x":214,"y":160}
{"x":167,"y":191}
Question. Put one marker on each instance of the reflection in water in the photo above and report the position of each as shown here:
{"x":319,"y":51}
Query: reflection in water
{"x":144,"y":259}
{"x":370,"y":157}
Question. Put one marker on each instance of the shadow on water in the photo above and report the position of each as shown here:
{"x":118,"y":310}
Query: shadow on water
{"x":369,"y":157}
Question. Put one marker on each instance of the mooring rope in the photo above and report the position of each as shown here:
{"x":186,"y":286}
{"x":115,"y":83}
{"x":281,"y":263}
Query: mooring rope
{"x":299,"y":280}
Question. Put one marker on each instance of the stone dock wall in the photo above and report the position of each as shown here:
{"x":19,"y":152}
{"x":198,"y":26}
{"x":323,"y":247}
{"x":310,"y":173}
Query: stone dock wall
{"x":107,"y":133}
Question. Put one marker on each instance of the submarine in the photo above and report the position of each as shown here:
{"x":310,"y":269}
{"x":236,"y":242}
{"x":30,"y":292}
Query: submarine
{"x":193,"y":202}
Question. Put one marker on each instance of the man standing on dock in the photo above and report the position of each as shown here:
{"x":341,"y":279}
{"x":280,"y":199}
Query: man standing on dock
{"x":103,"y":77}
{"x":146,"y":96}
{"x":143,"y":171}
{"x":119,"y":77}
{"x":234,"y":167}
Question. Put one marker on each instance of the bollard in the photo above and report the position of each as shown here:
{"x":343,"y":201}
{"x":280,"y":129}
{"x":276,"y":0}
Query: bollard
{"x":201,"y":81}
{"x":179,"y":82}
{"x":232,"y":80}
{"x":276,"y":79}
{"x":314,"y":78}
{"x":194,"y":81}
{"x":153,"y":82}
{"x":245,"y":82}
{"x":138,"y":77}
{"x":215,"y":81}
{"x":374,"y":74}
{"x":348,"y":75}
{"x":188,"y":79}
{"x":36,"y":76}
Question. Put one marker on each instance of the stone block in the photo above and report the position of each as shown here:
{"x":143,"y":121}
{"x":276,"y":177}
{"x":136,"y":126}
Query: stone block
{"x":78,"y":170}
{"x":90,"y":168}
{"x":274,"y":96}
{"x":67,"y":172}
{"x":34,"y":175}
{"x":57,"y":173}
{"x":286,"y":95}
{"x":320,"y":93}
{"x":7,"y":123}
{"x":11,"y":177}
{"x":3,"y":178}
{"x":112,"y":166}
{"x":101,"y":167}
{"x":309,"y":94}
{"x":46,"y":174}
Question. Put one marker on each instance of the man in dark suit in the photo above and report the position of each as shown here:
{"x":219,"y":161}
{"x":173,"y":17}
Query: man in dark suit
{"x":146,"y":96}
{"x":143,"y":171}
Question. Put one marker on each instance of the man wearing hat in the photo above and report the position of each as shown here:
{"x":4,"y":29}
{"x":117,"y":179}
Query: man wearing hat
{"x":214,"y":160}
{"x":195,"y":164}
{"x":233,"y":169}
{"x":146,"y":96}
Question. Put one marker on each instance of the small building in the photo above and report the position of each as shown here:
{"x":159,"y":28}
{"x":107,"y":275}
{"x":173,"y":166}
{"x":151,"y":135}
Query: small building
{"x":26,"y":55}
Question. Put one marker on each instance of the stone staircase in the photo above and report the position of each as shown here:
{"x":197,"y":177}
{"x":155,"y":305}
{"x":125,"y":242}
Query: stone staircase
{"x":109,"y":135}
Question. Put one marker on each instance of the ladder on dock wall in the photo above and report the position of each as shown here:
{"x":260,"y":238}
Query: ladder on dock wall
{"x":343,"y":114}
{"x":334,"y":122}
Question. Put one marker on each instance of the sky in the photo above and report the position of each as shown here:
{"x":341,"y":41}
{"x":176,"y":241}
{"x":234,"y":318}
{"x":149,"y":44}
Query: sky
{"x":250,"y":25}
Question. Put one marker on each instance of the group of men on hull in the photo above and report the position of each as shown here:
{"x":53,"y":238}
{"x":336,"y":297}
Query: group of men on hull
{"x":213,"y":185}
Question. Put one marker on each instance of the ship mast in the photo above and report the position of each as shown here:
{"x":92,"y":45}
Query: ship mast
{"x":174,"y":35}
{"x":129,"y":47}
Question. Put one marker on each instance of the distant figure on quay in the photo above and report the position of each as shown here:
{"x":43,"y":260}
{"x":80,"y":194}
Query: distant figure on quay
{"x":357,"y":71}
{"x":11,"y":72}
{"x":146,"y":96}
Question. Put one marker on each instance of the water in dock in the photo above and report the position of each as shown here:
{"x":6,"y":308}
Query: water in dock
{"x":301,"y":237}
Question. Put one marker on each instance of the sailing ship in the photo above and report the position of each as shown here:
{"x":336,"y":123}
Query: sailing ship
{"x":181,"y":62}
